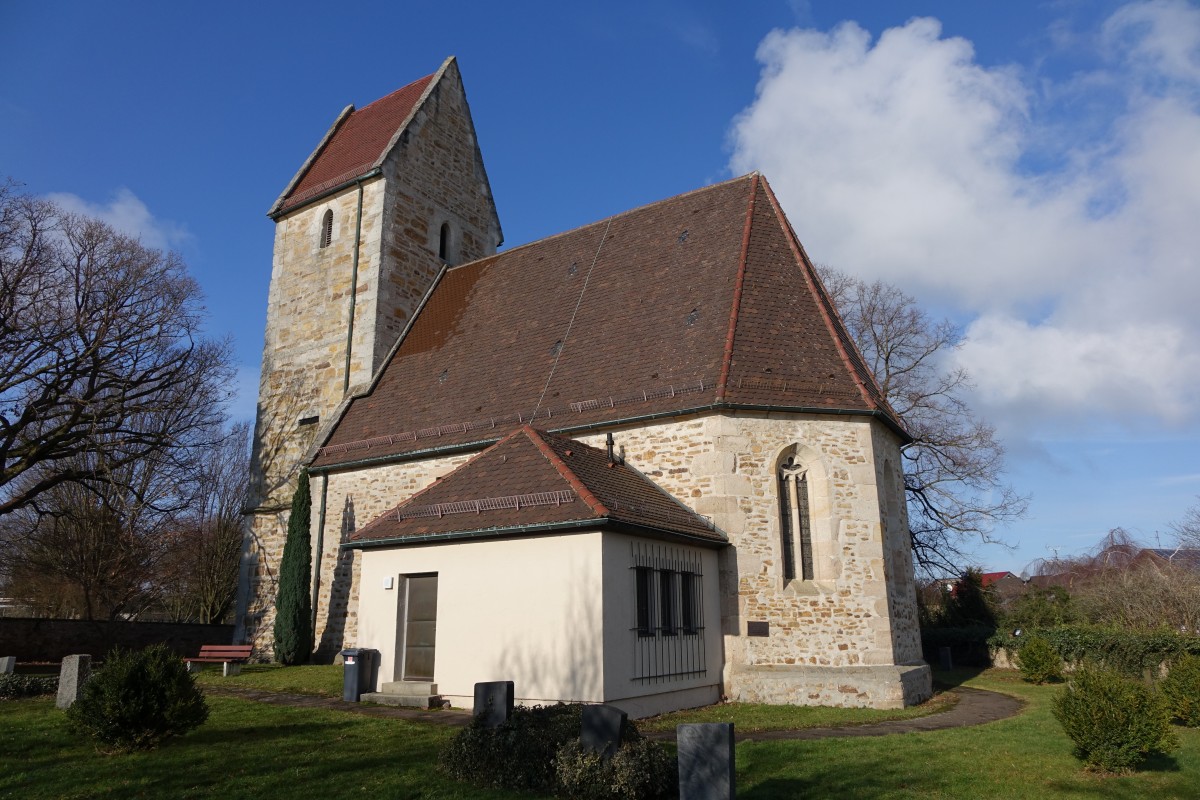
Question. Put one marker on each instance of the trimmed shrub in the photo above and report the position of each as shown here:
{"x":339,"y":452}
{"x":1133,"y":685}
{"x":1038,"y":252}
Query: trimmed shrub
{"x":1114,"y":721}
{"x":293,"y":603}
{"x":1181,"y":690}
{"x":137,"y":699}
{"x":521,"y":753}
{"x":516,"y":755}
{"x":639,"y":770}
{"x":15,"y":686}
{"x":1038,"y":661}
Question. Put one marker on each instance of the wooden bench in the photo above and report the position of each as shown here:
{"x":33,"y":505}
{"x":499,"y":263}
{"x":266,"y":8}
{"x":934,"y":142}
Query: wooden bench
{"x":230,"y":656}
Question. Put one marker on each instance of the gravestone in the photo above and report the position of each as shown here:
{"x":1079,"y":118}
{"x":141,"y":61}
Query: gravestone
{"x":601,"y":730}
{"x":947,"y":661}
{"x":493,"y":702}
{"x":8,"y":665}
{"x":706,"y":761}
{"x":71,"y":678}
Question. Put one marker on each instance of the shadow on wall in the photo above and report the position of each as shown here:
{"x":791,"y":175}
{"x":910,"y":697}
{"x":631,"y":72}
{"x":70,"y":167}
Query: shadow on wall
{"x":569,"y":669}
{"x":333,"y":635}
{"x":728,"y":585}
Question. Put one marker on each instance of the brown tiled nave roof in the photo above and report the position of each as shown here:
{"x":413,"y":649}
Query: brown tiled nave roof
{"x":532,"y":481}
{"x":702,"y":300}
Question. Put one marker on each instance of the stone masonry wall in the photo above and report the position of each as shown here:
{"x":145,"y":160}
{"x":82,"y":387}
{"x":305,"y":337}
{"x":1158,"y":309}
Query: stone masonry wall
{"x":353,"y":500}
{"x":837,"y":639}
{"x":434,"y":175}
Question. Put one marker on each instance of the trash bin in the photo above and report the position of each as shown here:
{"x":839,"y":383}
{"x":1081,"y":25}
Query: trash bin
{"x":360,"y":667}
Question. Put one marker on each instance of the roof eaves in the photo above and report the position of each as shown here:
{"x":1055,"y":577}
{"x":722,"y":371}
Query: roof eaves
{"x":727,"y":358}
{"x":478,"y":533}
{"x":277,"y":207}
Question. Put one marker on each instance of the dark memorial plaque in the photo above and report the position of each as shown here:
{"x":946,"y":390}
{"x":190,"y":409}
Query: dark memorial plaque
{"x":493,"y":702}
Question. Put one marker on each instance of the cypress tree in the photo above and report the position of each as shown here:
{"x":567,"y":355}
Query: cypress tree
{"x":293,"y":606}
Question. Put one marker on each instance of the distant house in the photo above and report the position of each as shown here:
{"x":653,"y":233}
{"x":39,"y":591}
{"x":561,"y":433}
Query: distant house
{"x":1005,"y":584}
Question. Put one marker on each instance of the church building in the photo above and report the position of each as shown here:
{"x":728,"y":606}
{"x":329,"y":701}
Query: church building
{"x":640,"y":462}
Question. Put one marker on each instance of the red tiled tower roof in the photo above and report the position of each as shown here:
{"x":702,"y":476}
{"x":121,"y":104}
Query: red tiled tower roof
{"x":698,"y":302}
{"x":532,"y":481}
{"x":356,"y":144}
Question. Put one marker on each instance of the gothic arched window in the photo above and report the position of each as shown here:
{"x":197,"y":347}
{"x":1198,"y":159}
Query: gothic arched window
{"x":327,"y":228}
{"x":795,"y":527}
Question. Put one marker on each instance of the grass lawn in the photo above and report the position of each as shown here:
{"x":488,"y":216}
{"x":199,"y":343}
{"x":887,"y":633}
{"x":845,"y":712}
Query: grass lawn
{"x":255,"y":750}
{"x":753,"y":717}
{"x":324,"y":680}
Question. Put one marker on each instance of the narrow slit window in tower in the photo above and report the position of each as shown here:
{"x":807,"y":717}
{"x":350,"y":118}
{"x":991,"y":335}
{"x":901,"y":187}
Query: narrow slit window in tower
{"x":327,"y":228}
{"x":444,"y":242}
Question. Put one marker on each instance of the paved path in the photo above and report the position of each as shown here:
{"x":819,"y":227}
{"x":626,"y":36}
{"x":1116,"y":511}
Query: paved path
{"x":974,"y":707}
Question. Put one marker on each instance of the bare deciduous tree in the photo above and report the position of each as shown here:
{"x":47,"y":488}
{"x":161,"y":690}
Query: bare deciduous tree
{"x":1187,"y":529}
{"x":953,"y":468}
{"x":198,"y":577}
{"x":100,"y":354}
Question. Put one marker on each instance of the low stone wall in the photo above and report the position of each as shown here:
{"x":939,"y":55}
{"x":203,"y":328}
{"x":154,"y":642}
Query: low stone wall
{"x":883,"y":686}
{"x":51,"y":639}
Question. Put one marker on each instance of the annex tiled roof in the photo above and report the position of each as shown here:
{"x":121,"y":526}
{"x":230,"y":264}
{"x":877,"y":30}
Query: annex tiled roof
{"x":358,"y":140}
{"x":702,"y":300}
{"x":532,"y":481}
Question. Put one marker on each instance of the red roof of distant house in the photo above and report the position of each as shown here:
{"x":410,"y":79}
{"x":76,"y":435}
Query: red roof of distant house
{"x":358,"y":142}
{"x":533,"y":481}
{"x":988,"y":578}
{"x":703,"y":300}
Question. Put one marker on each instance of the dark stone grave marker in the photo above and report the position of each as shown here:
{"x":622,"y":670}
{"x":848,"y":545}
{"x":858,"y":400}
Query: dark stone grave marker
{"x":601,"y":731}
{"x":494,"y":702}
{"x":706,"y":761}
{"x":8,"y":665}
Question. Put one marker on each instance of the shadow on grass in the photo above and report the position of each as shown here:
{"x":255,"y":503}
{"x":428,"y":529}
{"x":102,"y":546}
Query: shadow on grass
{"x":953,"y":678}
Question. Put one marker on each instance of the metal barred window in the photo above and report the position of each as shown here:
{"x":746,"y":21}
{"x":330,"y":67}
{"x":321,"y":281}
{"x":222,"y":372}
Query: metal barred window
{"x":668,"y":623}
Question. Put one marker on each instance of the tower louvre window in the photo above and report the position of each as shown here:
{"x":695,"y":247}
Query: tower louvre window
{"x":444,"y":242}
{"x":327,"y":228}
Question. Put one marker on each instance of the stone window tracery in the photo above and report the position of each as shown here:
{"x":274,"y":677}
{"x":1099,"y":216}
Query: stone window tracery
{"x":795,"y":524}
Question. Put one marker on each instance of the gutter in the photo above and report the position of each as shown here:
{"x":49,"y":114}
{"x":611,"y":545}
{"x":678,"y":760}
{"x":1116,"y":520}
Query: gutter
{"x":374,"y":173}
{"x":525,"y":530}
{"x":415,"y":455}
{"x":353,"y":285}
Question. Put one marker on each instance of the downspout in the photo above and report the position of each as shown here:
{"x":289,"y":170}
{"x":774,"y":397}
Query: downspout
{"x":316,"y":577}
{"x":353,"y":285}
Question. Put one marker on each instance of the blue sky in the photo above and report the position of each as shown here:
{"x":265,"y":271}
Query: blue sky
{"x":1029,"y":169}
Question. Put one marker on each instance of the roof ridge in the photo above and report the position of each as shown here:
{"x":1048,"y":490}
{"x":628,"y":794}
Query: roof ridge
{"x":739,"y":283}
{"x":431,"y":81}
{"x":358,"y":533}
{"x":610,"y":218}
{"x":825,"y":307}
{"x":379,"y":100}
{"x":568,"y":474}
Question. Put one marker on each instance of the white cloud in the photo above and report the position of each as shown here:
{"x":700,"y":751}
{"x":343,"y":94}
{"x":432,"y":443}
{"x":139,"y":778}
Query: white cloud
{"x":126,"y":213}
{"x":902,"y":158}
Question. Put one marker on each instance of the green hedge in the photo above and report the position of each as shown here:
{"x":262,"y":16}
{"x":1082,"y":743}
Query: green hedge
{"x":14,"y":686}
{"x":1127,"y":651}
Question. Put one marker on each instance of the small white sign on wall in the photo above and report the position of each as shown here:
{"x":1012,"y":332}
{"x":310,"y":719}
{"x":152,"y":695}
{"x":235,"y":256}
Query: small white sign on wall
{"x":389,"y":582}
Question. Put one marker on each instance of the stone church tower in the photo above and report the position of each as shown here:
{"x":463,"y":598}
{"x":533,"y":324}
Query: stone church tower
{"x":394,"y":192}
